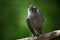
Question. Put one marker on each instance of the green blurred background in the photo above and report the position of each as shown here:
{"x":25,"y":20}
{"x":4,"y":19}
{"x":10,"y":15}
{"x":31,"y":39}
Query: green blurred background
{"x":13,"y":17}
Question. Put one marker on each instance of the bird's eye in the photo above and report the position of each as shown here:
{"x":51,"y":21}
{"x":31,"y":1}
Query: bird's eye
{"x":34,"y":6}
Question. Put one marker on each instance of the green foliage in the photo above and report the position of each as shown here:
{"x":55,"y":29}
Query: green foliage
{"x":13,"y":17}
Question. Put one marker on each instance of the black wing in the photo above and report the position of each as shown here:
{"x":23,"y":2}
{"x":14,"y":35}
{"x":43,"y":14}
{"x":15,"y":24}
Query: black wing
{"x":28,"y":22}
{"x":31,"y":29}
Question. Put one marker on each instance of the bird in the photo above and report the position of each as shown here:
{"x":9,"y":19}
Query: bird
{"x":34,"y":20}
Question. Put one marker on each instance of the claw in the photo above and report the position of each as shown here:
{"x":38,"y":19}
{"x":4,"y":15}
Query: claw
{"x":34,"y":37}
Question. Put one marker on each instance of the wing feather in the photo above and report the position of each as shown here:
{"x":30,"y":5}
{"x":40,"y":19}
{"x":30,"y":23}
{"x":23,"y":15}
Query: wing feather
{"x":31,"y":29}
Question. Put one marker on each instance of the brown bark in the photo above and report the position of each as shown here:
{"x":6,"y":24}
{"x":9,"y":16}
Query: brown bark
{"x":46,"y":36}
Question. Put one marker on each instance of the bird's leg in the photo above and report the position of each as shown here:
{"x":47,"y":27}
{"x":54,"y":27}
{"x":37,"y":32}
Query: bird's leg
{"x":33,"y":34}
{"x":39,"y":31}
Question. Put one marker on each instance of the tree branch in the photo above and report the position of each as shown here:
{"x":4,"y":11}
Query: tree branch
{"x":46,"y":36}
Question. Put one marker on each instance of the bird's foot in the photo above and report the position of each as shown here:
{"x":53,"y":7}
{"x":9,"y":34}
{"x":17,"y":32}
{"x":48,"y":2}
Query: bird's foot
{"x":37,"y":35}
{"x":34,"y":37}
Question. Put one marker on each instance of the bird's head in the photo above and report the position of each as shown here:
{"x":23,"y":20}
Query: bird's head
{"x":32,"y":9}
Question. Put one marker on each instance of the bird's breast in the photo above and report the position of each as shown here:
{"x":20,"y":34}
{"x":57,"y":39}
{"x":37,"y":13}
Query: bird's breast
{"x":35,"y":23}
